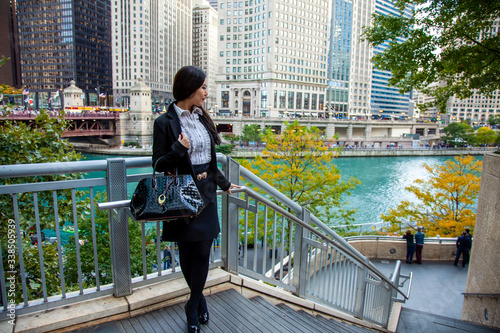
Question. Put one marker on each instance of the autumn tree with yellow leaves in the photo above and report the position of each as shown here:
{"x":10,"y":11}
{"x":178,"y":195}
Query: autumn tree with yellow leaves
{"x":445,"y":202}
{"x":298,"y":164}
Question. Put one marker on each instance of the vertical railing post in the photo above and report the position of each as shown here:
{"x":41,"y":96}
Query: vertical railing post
{"x":359,"y":306}
{"x":300,"y":256}
{"x":230,"y":221}
{"x":116,"y":178}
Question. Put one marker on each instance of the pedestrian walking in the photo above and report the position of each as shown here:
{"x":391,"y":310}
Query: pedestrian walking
{"x":419,"y":241}
{"x":463,"y":247}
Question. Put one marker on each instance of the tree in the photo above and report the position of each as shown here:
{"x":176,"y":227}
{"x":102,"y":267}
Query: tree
{"x":39,"y":143}
{"x":250,"y":133}
{"x":445,"y":202}
{"x":299,"y":165}
{"x":231,"y":137}
{"x":485,"y":136}
{"x":3,"y":60}
{"x":458,"y":134}
{"x":445,"y":48}
{"x":494,"y":119}
{"x":104,"y":249}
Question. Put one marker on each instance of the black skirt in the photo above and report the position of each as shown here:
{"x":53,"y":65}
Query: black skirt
{"x":206,"y":225}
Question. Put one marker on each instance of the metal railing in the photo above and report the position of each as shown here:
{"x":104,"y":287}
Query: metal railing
{"x":264,"y":235}
{"x":428,"y":240}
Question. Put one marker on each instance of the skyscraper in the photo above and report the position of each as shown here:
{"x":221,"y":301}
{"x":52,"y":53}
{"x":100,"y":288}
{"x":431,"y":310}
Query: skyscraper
{"x":339,"y":58}
{"x":10,"y":72}
{"x":205,"y":25}
{"x":64,"y":40}
{"x":386,"y":101}
{"x":152,"y":39}
{"x":272,"y":57}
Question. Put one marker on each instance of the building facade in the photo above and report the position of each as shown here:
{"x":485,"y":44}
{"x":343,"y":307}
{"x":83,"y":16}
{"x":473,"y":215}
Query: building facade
{"x":272,"y":58}
{"x":152,"y":39}
{"x":10,"y":72}
{"x":61,"y":41}
{"x":478,"y":108}
{"x":386,"y":101}
{"x":205,"y":31}
{"x":339,"y":58}
{"x":361,"y":68}
{"x":214,"y":4}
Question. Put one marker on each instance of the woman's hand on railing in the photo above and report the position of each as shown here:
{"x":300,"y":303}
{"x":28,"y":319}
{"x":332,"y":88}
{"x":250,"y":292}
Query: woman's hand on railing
{"x":231,"y":187}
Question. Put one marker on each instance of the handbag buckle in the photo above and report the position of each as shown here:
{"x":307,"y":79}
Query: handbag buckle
{"x":161,"y":199}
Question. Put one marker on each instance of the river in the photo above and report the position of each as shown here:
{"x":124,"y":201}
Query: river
{"x":383,"y":181}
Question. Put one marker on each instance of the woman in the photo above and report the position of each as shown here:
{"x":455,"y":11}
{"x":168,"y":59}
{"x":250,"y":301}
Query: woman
{"x":410,"y":246}
{"x":184,"y":139}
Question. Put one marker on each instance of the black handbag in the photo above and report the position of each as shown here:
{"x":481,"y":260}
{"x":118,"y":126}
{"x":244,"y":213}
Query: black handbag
{"x":162,"y":198}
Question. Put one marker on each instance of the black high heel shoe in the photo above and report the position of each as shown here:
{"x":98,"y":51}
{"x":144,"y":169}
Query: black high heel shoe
{"x":203,"y":318}
{"x":191,"y":328}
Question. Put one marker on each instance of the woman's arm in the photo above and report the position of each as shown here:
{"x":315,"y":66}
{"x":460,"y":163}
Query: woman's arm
{"x":172,"y":151}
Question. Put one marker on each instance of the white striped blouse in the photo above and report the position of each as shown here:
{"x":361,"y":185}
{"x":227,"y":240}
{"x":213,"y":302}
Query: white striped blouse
{"x":199,"y":140}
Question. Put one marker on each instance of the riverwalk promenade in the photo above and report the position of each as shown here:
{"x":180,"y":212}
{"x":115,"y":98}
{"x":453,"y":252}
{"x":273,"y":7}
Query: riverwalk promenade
{"x":249,"y":152}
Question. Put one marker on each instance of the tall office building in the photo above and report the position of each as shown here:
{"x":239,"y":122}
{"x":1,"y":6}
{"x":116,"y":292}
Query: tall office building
{"x":272,"y":57}
{"x":205,"y":25}
{"x":152,"y":39}
{"x":339,"y":58}
{"x":349,"y":65}
{"x":10,"y":72}
{"x":61,"y":41}
{"x":386,"y":101}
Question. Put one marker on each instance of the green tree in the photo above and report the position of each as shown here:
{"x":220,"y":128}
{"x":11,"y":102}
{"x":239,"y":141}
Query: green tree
{"x":485,"y":136}
{"x":231,"y":137}
{"x":447,"y":49}
{"x":250,"y":133}
{"x":494,"y":119}
{"x":458,"y":134}
{"x":224,"y":149}
{"x":445,"y":202}
{"x":3,"y":60}
{"x":40,"y":143}
{"x":104,"y":249}
{"x":299,"y":165}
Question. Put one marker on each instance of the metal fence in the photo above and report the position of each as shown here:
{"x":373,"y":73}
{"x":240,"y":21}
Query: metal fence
{"x":264,"y":235}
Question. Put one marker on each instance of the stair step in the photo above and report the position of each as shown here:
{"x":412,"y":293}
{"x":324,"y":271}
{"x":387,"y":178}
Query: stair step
{"x":342,"y":325}
{"x":229,"y":312}
{"x":291,"y":323}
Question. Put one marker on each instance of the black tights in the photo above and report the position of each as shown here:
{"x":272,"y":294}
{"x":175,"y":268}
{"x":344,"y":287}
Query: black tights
{"x":194,"y":259}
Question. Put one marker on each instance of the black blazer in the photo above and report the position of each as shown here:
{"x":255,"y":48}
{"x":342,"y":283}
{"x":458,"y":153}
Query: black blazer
{"x":166,"y":130}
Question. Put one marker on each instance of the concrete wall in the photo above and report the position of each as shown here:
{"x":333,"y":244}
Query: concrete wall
{"x":396,"y":250}
{"x":484,"y":269}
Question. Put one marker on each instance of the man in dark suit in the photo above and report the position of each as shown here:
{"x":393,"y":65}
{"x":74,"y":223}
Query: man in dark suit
{"x":463,"y":246}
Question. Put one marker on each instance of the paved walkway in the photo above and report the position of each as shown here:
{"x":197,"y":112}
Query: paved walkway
{"x":437,"y":287}
{"x":436,"y":299}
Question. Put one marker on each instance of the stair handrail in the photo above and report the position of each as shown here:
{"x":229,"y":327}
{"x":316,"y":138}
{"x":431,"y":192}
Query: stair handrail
{"x":334,"y":238}
{"x":284,"y":212}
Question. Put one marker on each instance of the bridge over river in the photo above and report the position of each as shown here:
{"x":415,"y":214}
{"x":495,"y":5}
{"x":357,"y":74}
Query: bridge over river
{"x":126,"y":126}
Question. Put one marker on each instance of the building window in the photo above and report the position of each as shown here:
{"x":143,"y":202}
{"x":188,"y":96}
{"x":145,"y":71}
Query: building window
{"x":225,"y":99}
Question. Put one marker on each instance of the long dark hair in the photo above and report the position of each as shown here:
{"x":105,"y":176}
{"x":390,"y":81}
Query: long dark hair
{"x":187,"y":80}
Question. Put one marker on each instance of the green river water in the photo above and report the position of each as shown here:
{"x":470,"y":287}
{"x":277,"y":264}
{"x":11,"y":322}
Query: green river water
{"x":383,"y":182}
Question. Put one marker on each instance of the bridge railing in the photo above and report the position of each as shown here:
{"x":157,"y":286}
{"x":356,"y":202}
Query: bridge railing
{"x":264,"y":236}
